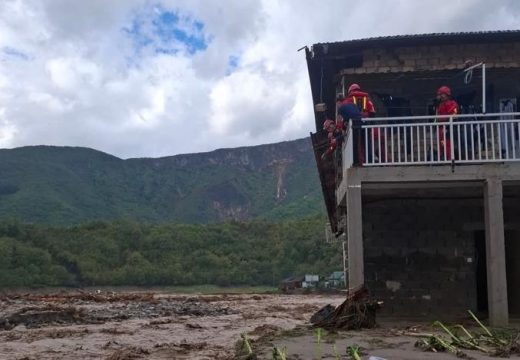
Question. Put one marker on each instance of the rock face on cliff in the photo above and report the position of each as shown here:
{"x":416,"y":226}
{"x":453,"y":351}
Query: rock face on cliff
{"x":67,"y":185}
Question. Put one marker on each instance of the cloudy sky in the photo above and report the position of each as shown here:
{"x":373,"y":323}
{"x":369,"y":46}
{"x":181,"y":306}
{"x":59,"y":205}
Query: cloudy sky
{"x":139,"y":78}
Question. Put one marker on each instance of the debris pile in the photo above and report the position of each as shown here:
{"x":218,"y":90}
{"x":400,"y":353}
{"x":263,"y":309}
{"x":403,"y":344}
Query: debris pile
{"x":456,"y":339}
{"x":358,"y":311}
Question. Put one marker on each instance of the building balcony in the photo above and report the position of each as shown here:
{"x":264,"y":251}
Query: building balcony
{"x":430,"y":149}
{"x":436,"y":140}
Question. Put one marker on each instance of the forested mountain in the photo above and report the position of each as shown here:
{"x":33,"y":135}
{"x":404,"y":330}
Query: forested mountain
{"x":69,"y":185}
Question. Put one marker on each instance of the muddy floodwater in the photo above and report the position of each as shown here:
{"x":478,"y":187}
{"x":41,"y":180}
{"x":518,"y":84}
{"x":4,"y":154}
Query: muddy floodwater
{"x":139,"y":325}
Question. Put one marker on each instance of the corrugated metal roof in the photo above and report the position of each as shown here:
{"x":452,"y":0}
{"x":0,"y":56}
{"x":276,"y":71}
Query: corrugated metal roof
{"x":507,"y":34}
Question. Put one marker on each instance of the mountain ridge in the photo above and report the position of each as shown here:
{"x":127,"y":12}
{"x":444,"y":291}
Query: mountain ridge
{"x":68,"y":185}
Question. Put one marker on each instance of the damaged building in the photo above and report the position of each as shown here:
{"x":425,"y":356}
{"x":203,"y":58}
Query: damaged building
{"x":428,"y":235}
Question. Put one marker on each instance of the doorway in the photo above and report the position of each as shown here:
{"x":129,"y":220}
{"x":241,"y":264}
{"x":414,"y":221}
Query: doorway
{"x":512,"y":243}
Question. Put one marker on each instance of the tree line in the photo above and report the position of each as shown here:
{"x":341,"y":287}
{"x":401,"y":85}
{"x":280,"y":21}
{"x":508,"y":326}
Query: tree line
{"x":130,"y":253}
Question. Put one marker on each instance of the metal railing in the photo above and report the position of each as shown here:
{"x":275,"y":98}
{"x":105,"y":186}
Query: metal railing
{"x":422,"y":140}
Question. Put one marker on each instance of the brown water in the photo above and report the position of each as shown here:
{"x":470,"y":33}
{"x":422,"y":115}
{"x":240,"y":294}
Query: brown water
{"x":143,"y":325}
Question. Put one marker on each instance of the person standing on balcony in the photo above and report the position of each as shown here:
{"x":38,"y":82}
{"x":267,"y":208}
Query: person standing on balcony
{"x":363,"y":102}
{"x":446,"y":106}
{"x":361,"y":99}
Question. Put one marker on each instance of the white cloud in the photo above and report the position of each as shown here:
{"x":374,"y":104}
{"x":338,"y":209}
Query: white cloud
{"x":73,"y":73}
{"x":76,"y":73}
{"x":257,"y":107}
{"x":7,"y":130}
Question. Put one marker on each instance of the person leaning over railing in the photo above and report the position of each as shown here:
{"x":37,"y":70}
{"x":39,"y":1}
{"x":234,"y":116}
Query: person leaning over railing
{"x":346,"y":112}
{"x":334,"y":136}
{"x":446,"y":106}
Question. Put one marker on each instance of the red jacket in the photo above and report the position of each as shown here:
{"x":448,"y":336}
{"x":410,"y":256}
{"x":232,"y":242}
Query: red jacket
{"x":332,"y":146}
{"x":448,"y":107}
{"x":363,"y":102}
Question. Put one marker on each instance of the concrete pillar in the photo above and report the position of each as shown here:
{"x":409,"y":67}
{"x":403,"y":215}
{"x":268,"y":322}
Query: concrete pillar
{"x":355,"y":235}
{"x":495,"y":253}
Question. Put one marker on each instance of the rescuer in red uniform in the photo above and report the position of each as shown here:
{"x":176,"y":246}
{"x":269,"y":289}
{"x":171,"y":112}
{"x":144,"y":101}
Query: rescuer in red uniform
{"x":362,"y":100}
{"x":334,"y":133}
{"x":446,"y":106}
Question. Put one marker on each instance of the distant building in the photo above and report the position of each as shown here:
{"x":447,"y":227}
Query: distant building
{"x":336,"y":279}
{"x":310,"y":281}
{"x":291,"y":283}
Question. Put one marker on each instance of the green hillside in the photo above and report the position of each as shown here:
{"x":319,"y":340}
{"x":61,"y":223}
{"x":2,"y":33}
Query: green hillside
{"x":129,"y":253}
{"x":68,"y":185}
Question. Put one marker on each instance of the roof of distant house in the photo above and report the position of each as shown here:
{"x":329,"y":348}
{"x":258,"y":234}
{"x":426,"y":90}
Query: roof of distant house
{"x":336,"y":275}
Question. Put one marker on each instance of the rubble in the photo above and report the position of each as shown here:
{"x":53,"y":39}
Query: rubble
{"x":358,"y":311}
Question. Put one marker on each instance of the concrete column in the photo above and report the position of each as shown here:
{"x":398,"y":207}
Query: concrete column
{"x":355,"y":234}
{"x":495,"y":253}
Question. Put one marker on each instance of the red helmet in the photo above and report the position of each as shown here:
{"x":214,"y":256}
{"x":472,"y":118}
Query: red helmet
{"x":444,"y":90}
{"x":353,"y":87}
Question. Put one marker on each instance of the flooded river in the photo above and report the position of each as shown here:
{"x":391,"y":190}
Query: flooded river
{"x":139,"y":325}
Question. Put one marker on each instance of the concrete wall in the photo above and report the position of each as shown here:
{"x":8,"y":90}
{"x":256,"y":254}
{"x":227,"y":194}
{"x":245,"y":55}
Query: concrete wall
{"x":420,"y":254}
{"x":446,"y":57}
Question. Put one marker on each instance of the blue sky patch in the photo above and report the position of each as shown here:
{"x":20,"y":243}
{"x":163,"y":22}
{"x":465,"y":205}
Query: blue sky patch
{"x":14,"y":53}
{"x":167,"y":32}
{"x":233,"y":61}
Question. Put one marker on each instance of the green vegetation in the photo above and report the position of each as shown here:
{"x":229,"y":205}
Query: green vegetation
{"x":128,"y":253}
{"x":496,"y":342}
{"x":69,"y":186}
{"x":232,"y":217}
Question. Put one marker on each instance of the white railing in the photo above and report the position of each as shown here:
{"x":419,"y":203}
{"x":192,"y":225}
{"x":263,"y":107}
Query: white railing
{"x":348,"y":148}
{"x":468,"y":138}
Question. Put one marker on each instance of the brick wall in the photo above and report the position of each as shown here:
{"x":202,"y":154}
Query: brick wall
{"x":445,"y":57}
{"x":420,"y":255}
